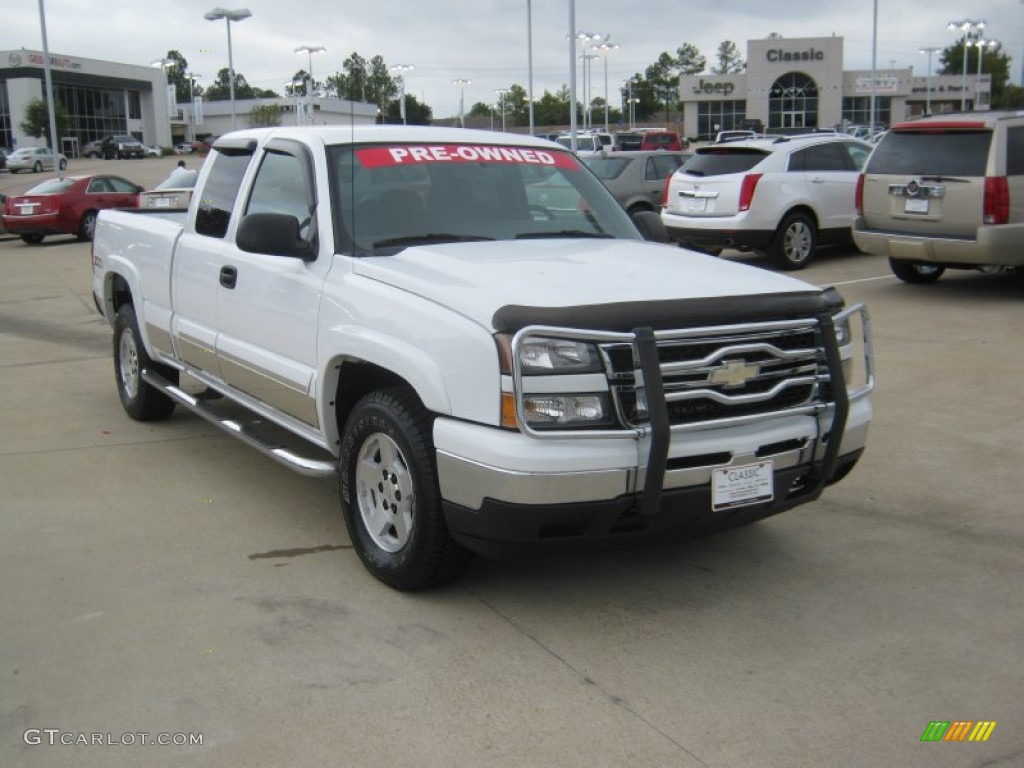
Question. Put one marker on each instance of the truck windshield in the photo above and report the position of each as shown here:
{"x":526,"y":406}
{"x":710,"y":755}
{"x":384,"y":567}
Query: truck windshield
{"x":390,"y":197}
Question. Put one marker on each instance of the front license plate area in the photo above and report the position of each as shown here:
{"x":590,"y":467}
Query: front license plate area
{"x":915,"y":205}
{"x":742,"y":486}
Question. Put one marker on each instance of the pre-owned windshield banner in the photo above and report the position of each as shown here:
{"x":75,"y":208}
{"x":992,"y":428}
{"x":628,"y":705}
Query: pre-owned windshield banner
{"x":418,"y":154}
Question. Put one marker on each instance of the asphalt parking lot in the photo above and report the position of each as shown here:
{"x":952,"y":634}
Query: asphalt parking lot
{"x":164,"y":579}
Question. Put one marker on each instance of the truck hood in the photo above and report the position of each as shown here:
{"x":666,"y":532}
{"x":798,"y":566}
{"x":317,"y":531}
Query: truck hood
{"x":481,"y":279}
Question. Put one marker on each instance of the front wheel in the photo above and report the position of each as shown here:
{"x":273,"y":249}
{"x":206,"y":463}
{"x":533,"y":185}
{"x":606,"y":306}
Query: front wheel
{"x":63,"y":164}
{"x":37,"y":168}
{"x":141,"y":400}
{"x":794,"y":242}
{"x":919,"y":274}
{"x":390,"y":495}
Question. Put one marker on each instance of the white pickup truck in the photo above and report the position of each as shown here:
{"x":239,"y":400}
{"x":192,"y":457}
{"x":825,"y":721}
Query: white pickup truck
{"x":472,"y":333}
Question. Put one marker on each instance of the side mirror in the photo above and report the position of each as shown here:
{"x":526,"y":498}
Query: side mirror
{"x":651,"y":226}
{"x":274,"y":234}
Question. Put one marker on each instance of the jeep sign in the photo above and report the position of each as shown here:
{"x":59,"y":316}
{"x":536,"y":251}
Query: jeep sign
{"x":723,"y":89}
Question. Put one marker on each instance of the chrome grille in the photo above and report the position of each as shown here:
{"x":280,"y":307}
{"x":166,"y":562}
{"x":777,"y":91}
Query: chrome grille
{"x":723,"y":375}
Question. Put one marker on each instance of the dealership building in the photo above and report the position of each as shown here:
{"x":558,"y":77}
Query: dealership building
{"x":797,"y":84}
{"x":104,"y":98}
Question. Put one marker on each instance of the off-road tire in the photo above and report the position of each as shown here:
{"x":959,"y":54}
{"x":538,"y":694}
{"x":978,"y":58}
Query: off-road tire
{"x":390,"y":496}
{"x":140,"y":400}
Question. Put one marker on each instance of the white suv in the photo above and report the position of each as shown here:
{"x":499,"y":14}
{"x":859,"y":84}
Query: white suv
{"x":781,"y":196}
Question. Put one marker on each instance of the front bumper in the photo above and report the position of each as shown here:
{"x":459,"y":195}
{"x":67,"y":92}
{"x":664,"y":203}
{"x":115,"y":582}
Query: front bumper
{"x":502,"y":529}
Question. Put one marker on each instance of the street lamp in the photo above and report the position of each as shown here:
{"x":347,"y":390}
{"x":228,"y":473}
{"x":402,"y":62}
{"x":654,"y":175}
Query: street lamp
{"x":928,"y":88}
{"x":238,"y":14}
{"x":501,"y":105}
{"x":982,"y":44}
{"x":192,"y":77}
{"x":529,"y":60}
{"x":310,"y":50}
{"x":401,"y":69}
{"x":588,"y":37}
{"x":606,"y":48}
{"x":164,"y":64}
{"x":461,"y":84}
{"x":970,"y":29}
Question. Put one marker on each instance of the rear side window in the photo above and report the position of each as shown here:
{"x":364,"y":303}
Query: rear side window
{"x":607,"y":167}
{"x":659,"y":167}
{"x":219,"y":193}
{"x":52,"y":187}
{"x":950,"y":153}
{"x":823,"y":157}
{"x":722,"y":161}
{"x":1015,"y":151}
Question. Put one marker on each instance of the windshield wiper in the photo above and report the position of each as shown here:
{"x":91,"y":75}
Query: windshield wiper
{"x":561,"y":233}
{"x":432,"y":237}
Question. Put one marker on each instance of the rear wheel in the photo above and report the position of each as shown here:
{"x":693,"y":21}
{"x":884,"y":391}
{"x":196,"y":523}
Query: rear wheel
{"x":915,"y":273}
{"x":390,"y":495}
{"x":63,"y":164}
{"x":37,"y":168}
{"x":33,"y":239}
{"x":140,"y":400}
{"x":794,"y":242}
{"x":87,"y":226}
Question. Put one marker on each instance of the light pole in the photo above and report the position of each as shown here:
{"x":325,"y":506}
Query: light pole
{"x":239,"y":14}
{"x":970,"y":28}
{"x":461,"y":84}
{"x":310,"y":50}
{"x":529,"y":60}
{"x":928,"y":87}
{"x":501,"y":105}
{"x":606,"y":48}
{"x":401,"y":69}
{"x":192,"y":77}
{"x":164,"y":64}
{"x":982,"y":45}
{"x":874,"y":68}
{"x":587,"y":37}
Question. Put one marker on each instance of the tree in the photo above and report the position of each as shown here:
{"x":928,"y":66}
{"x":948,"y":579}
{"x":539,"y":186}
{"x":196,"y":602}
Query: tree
{"x":351,"y":82}
{"x":220,"y":90}
{"x":381,"y":88}
{"x":689,"y":60}
{"x":416,"y":113}
{"x":729,"y":60}
{"x":264,"y":116}
{"x":37,"y":120}
{"x":994,"y":63}
{"x":177,"y":75}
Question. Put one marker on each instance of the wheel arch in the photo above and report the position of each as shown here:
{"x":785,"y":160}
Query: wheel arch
{"x":800,"y":208}
{"x":346,"y":382}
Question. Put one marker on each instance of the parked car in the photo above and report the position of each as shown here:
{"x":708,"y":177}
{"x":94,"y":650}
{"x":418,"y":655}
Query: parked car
{"x":202,"y":146}
{"x":663,"y":140}
{"x":626,"y":141}
{"x":93,"y":149}
{"x":945,"y":192}
{"x":66,"y":206}
{"x":782,"y":196}
{"x":637,"y":179}
{"x":122,"y":147}
{"x":586,"y":141}
{"x":183,"y":149}
{"x":148,"y":151}
{"x":35,"y":159}
{"x":735,"y":135}
{"x":175,"y":192}
{"x":4,"y":152}
{"x":3,"y":201}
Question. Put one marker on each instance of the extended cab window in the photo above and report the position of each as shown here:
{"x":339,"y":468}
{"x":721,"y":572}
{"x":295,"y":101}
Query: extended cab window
{"x":219,"y":192}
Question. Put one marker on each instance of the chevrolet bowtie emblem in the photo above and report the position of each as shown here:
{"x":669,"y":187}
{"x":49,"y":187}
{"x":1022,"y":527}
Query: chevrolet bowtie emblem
{"x":733,"y":373}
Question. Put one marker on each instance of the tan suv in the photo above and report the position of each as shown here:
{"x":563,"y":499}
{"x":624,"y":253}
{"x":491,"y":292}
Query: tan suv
{"x":945,"y":192}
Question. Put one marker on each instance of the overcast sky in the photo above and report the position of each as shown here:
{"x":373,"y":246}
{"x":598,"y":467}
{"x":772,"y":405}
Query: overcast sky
{"x":484,"y":40}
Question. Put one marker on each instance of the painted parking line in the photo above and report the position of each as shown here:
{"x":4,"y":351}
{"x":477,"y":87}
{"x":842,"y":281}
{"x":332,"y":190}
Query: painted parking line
{"x":862,"y":280}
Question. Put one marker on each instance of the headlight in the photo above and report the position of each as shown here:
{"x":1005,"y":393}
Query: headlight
{"x":566,"y":411}
{"x":543,"y":355}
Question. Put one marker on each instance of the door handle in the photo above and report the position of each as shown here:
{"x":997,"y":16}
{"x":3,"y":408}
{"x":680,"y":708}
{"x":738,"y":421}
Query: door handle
{"x":228,"y":276}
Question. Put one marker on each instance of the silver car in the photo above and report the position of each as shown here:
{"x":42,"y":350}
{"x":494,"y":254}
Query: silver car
{"x":637,"y":179}
{"x":34,"y":159}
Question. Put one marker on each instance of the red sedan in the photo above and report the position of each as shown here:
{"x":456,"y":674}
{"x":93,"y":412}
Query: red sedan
{"x":66,"y":206}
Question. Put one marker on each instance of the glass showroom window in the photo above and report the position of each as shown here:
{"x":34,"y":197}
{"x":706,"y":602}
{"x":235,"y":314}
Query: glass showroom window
{"x":793,"y":102}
